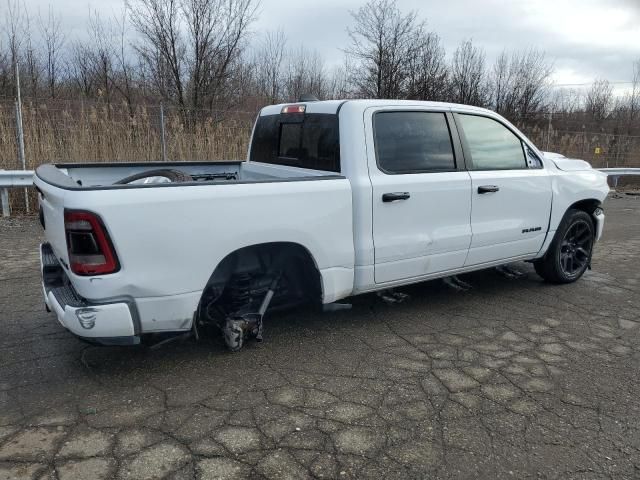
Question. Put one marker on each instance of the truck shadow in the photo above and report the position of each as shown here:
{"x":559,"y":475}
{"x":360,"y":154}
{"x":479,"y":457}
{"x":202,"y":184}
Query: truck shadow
{"x":303,"y":328}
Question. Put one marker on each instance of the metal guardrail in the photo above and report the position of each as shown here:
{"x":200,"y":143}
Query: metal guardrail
{"x":12,"y":179}
{"x":616,"y":173}
{"x":24,"y":178}
{"x":620,"y":171}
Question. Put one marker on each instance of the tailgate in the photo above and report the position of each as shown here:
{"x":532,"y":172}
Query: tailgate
{"x":51,"y":201}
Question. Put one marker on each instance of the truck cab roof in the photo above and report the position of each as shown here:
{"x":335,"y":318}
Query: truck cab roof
{"x":334,"y":106}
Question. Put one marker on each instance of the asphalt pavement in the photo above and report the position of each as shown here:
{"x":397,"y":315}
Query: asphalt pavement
{"x":514,"y":378}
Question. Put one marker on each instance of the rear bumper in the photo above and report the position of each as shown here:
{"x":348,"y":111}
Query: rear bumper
{"x":111,"y":322}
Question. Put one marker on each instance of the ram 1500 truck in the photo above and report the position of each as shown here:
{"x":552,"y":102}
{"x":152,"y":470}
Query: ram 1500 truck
{"x":336,"y":198}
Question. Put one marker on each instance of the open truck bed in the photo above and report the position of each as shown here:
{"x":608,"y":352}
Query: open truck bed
{"x":99,"y":176}
{"x":157,"y":244}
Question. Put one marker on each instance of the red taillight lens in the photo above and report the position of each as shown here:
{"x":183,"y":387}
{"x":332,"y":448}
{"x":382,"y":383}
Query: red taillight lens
{"x":90,"y":249}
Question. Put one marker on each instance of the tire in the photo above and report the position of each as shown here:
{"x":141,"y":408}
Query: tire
{"x":174,"y":176}
{"x":569,"y":254}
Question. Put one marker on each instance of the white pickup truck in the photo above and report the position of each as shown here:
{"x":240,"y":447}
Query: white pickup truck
{"x":336,"y":198}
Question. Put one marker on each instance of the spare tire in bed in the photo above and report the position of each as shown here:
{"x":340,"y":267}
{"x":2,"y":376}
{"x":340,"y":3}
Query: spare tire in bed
{"x":171,"y":175}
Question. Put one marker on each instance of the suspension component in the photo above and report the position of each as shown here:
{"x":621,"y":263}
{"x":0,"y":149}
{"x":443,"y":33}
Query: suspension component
{"x":239,"y":326}
{"x":240,"y":291}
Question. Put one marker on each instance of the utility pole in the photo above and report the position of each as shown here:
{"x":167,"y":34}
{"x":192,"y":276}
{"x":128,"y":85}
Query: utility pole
{"x":20,"y":132}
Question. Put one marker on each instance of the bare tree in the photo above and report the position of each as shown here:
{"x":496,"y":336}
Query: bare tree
{"x":599,"y":99}
{"x":54,"y":41}
{"x":229,"y":26}
{"x":5,"y":70}
{"x":197,"y":42}
{"x":32,"y":63}
{"x":268,"y":65}
{"x":123,"y":75}
{"x":427,"y":70}
{"x":14,"y":28}
{"x":634,"y":97}
{"x":101,"y":53}
{"x":339,"y":85}
{"x":383,"y":42}
{"x":162,"y":47}
{"x":519,"y":82}
{"x":305,"y":75}
{"x":80,"y":69}
{"x":566,"y":101}
{"x":468,"y":76}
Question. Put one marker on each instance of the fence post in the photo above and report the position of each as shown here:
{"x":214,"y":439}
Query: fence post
{"x":20,"y":134}
{"x":4,"y":195}
{"x":549,"y":132}
{"x":164,"y":142}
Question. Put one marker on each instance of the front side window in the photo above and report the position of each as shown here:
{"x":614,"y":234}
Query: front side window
{"x":413,"y":142}
{"x":492,"y":145}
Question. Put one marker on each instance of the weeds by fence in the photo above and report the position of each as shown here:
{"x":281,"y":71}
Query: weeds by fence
{"x":69,"y":131}
{"x":83,"y":132}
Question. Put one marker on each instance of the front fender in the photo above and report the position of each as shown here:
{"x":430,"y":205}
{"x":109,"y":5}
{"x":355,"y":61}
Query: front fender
{"x":570,"y":188}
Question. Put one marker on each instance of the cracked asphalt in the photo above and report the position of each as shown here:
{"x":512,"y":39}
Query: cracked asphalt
{"x":512,"y":379}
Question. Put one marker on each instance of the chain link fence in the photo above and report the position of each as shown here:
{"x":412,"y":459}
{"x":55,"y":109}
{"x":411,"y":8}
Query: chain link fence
{"x":82,"y":131}
{"x":70,"y":131}
{"x":77,"y":130}
{"x":601,"y":143}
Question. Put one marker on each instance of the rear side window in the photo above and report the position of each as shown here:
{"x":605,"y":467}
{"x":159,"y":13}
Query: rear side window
{"x":492,"y":145}
{"x":297,"y":140}
{"x":413,"y":142}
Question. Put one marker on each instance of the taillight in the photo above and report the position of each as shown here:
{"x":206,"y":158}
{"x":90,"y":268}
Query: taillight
{"x":90,"y":249}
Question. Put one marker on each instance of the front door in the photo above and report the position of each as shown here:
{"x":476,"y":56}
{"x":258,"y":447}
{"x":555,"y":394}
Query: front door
{"x":510,"y":190}
{"x":421,"y":194}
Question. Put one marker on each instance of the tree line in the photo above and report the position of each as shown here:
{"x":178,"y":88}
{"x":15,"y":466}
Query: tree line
{"x":204,"y":55}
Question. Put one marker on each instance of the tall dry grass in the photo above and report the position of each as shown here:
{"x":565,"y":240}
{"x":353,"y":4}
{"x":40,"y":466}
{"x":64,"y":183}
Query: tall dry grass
{"x":79,"y":132}
{"x":71,"y":132}
{"x":615,"y":150}
{"x":61,"y":131}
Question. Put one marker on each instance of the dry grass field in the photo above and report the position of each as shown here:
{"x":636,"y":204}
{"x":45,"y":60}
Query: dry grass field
{"x":82,"y":131}
{"x":74,"y":132}
{"x":96,"y":133}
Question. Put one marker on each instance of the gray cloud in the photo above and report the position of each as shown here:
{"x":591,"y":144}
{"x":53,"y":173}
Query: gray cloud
{"x":585,"y":39}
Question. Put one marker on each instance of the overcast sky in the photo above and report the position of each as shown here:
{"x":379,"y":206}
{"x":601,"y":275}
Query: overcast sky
{"x":585,"y":39}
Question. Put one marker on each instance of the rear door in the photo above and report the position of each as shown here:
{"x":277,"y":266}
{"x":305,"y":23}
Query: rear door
{"x":510,"y":190}
{"x":421,"y":193}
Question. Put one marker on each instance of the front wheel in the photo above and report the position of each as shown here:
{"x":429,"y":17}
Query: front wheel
{"x":569,"y":254}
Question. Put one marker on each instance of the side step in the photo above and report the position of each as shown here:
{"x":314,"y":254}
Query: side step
{"x":55,"y":280}
{"x":52,"y":272}
{"x":66,"y":295}
{"x":48,"y":257}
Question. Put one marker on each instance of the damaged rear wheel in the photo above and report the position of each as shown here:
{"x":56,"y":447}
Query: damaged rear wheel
{"x":273,"y":276}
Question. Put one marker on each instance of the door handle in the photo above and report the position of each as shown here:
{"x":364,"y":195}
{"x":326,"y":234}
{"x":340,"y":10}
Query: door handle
{"x":488,"y":189}
{"x":394,"y":196}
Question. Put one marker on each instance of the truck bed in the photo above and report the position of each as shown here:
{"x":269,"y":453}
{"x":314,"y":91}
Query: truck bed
{"x":99,"y":176}
{"x":170,"y":237}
